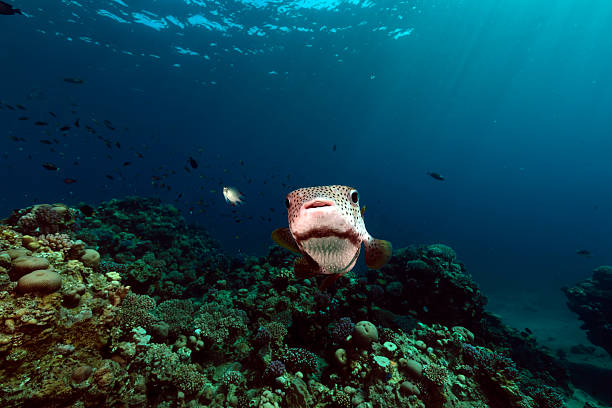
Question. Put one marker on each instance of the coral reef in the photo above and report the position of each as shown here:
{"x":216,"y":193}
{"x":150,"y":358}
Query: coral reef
{"x":158,"y":316}
{"x":591,"y":300}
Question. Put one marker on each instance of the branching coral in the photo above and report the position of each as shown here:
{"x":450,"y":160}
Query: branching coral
{"x":220,"y":324}
{"x":42,"y":219}
{"x":178,"y":313}
{"x":300,"y":359}
{"x":136,"y":311}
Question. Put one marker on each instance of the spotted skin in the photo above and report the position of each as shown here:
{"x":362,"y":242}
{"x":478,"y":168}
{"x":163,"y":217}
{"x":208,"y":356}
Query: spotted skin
{"x":346,"y":219}
{"x":326,"y":226}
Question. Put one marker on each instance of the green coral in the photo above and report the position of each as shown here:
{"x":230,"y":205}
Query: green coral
{"x":136,"y":310}
{"x":177,"y":313}
{"x":220,"y":324}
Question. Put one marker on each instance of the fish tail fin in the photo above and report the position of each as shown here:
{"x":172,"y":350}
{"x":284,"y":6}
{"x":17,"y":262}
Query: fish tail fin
{"x":18,"y":11}
{"x":377,"y":252}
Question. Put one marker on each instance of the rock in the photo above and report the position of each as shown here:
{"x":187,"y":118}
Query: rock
{"x":91,"y":258}
{"x":40,"y":282}
{"x":603,"y":275}
{"x":81,"y":374}
{"x":591,"y":299}
{"x":26,"y":264}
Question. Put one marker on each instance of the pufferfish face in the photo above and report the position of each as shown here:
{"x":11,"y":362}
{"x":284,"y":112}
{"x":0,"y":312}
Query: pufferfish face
{"x":324,"y":211}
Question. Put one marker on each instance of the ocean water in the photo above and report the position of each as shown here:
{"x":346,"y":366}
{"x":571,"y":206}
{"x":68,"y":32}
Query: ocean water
{"x":509,"y":100}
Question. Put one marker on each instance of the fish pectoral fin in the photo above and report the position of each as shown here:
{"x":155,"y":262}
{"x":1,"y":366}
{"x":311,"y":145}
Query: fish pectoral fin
{"x":283,"y":237}
{"x":305,"y":268}
{"x":377,"y":253}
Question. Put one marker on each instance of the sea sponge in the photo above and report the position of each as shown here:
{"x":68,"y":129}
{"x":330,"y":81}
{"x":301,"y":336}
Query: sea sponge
{"x":40,"y":282}
{"x":341,"y":356}
{"x":413,"y":367}
{"x":365,"y":333}
{"x":26,"y":264}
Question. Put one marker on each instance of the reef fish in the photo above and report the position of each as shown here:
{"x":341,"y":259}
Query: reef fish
{"x":50,"y":166}
{"x":8,"y":10}
{"x":584,"y":252}
{"x":77,"y":81}
{"x":233,"y":196}
{"x":326,"y":227}
{"x":435,"y":175}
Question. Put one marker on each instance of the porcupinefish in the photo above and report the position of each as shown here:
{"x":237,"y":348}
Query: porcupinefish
{"x":326,"y":227}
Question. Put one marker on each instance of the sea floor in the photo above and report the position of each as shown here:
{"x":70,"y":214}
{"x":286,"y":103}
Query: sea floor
{"x":545,"y":313}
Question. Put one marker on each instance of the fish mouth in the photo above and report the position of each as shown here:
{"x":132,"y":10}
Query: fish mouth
{"x":322,"y":233}
{"x":318,"y":204}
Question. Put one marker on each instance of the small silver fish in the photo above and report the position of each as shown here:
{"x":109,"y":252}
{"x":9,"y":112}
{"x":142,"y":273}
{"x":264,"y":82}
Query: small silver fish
{"x":233,"y":196}
{"x":326,"y":226}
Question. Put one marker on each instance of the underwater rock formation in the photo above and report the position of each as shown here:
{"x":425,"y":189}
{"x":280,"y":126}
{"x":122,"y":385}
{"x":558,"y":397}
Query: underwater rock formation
{"x":244,"y":332}
{"x":591,"y":300}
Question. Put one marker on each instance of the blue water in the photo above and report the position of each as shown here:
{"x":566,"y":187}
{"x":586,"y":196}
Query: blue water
{"x":509,"y":100}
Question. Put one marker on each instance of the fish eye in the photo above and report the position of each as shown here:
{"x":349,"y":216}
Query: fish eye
{"x":287,"y":203}
{"x":354,"y":196}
